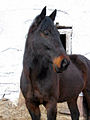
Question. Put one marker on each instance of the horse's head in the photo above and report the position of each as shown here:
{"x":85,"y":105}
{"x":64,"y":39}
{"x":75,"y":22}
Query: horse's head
{"x":45,"y":43}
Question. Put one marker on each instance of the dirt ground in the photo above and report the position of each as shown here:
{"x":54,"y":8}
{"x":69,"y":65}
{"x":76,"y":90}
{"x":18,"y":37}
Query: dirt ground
{"x":9,"y":111}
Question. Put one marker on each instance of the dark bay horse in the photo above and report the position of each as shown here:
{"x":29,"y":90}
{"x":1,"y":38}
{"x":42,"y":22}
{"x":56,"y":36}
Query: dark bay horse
{"x":49,"y":75}
{"x":72,"y":81}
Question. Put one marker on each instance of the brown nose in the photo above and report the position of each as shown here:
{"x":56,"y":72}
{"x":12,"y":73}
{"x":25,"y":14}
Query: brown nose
{"x":60,"y":63}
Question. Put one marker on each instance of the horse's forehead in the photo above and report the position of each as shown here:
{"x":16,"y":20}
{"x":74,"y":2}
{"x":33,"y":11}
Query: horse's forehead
{"x":47,"y":23}
{"x":47,"y":20}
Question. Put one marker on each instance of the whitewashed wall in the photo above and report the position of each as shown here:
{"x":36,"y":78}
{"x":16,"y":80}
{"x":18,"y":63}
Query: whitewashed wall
{"x":15,"y":19}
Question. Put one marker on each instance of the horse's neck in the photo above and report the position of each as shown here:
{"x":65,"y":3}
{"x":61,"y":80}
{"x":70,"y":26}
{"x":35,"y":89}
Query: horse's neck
{"x":39,"y":69}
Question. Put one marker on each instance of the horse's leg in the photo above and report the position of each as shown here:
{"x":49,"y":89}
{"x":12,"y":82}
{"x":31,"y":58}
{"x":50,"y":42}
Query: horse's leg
{"x":87,"y":96}
{"x":51,"y":108}
{"x":33,"y":110}
{"x":72,"y":104}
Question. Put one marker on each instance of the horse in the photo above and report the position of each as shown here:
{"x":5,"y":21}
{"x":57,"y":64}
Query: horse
{"x":49,"y":75}
{"x":72,"y":81}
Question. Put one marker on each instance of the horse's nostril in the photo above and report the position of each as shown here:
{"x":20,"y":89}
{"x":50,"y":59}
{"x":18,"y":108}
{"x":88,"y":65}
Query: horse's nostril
{"x":64,"y":63}
{"x":60,"y":63}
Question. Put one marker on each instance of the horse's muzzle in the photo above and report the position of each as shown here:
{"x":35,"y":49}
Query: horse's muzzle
{"x":61,"y":63}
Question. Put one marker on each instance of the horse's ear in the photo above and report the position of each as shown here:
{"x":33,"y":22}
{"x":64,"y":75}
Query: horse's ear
{"x":43,"y":13}
{"x":37,"y":20}
{"x":53,"y":15}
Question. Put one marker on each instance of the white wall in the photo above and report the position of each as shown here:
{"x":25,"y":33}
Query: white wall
{"x":15,"y":19}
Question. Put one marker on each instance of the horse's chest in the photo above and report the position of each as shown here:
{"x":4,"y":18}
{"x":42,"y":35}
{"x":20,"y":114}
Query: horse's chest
{"x":39,"y":89}
{"x":43,"y":90}
{"x":40,"y":96}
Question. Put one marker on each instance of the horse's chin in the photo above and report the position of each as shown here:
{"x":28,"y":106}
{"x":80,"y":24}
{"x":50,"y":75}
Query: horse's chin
{"x":59,"y":70}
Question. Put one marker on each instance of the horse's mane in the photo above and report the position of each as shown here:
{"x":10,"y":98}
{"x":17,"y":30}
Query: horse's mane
{"x":78,"y":62}
{"x":34,"y":25}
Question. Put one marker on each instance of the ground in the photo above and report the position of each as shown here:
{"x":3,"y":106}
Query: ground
{"x":9,"y":111}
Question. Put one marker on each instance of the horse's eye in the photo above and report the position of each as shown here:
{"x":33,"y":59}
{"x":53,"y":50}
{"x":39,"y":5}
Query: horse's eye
{"x":46,"y":32}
